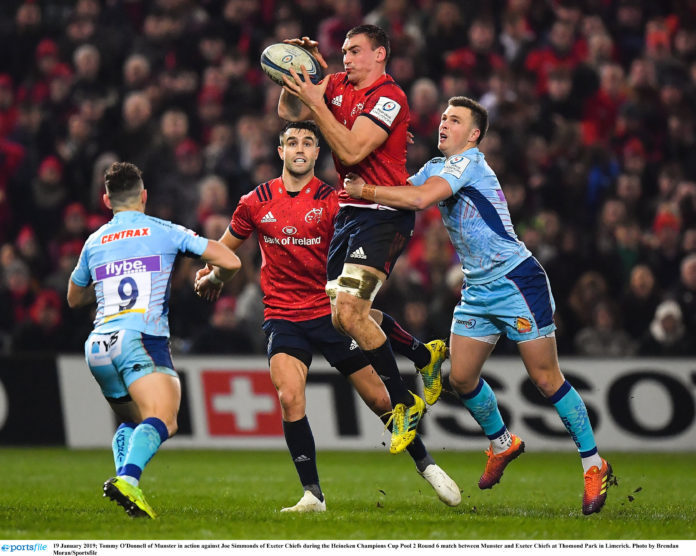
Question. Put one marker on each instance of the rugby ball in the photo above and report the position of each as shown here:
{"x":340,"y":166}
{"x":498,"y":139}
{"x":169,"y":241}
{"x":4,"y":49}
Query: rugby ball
{"x":277,"y":59}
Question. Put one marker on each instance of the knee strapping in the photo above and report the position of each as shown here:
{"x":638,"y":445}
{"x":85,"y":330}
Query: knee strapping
{"x":357,"y":282}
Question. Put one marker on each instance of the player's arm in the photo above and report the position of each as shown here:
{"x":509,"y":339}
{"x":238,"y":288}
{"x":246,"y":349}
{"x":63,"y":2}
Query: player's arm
{"x":409,"y":197}
{"x":210,"y":279}
{"x":351,"y":146}
{"x":80,"y":295}
{"x":292,"y":109}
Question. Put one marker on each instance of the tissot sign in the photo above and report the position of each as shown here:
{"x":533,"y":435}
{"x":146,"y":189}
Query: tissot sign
{"x":646,"y":404}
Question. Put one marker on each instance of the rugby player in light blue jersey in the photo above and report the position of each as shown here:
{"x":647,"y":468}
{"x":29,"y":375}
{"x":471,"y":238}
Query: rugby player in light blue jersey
{"x":505,"y":291}
{"x":126,"y":266}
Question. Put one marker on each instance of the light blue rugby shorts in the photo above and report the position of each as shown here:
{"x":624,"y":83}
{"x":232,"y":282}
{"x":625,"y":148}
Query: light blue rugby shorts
{"x":519,"y":305}
{"x":117,"y":359}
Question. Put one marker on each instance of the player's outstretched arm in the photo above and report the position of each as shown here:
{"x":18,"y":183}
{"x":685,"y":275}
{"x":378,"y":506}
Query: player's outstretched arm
{"x":225,"y":261}
{"x":80,"y":295}
{"x":211,"y":278}
{"x":408,"y":197}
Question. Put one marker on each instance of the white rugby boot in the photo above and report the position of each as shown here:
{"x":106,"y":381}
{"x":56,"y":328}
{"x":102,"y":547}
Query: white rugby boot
{"x":446,"y":489}
{"x":309,"y":503}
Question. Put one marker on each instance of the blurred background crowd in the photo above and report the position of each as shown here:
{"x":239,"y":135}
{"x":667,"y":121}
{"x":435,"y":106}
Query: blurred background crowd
{"x":593,"y":137}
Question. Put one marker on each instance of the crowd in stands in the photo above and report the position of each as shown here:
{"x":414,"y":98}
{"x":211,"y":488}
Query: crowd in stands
{"x":593,"y":137}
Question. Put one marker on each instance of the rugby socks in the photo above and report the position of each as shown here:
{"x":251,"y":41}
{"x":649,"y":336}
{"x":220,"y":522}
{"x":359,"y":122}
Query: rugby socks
{"x":572,"y":411}
{"x":119,"y":444}
{"x":300,"y":441}
{"x":146,"y":439}
{"x":416,"y":449}
{"x":403,"y":343}
{"x":483,"y":407}
{"x":382,"y":360}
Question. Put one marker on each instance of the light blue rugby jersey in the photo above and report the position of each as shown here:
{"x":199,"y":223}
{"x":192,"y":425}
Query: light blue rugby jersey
{"x":130,"y":260}
{"x":476,"y":216}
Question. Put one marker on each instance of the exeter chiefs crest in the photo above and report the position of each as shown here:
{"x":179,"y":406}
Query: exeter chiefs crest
{"x":314,"y":215}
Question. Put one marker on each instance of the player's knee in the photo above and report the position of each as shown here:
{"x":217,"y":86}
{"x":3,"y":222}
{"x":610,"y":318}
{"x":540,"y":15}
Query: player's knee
{"x":337,"y":324}
{"x":380,"y":403}
{"x":547,"y":379}
{"x":291,"y":402}
{"x":462,"y":384}
{"x":346,"y":319}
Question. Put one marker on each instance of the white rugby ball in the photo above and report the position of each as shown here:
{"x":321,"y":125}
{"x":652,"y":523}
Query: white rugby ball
{"x":277,"y":59}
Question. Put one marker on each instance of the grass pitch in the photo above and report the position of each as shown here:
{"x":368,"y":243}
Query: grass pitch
{"x":55,"y":494}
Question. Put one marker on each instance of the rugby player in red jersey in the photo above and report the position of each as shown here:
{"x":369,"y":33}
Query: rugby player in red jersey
{"x":363,"y":115}
{"x":293,"y":216}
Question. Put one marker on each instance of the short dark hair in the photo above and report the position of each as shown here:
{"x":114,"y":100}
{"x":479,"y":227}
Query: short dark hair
{"x":123,"y":182}
{"x":378,"y":37}
{"x":478,"y":112}
{"x":309,"y":125}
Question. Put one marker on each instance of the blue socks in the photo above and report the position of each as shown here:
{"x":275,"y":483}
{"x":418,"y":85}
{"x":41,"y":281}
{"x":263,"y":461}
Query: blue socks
{"x":144,"y":443}
{"x":119,"y":445}
{"x":572,"y":411}
{"x":483,"y":407}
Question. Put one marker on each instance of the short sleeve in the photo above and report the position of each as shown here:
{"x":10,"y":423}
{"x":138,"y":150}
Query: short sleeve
{"x":189,"y":242}
{"x":242,"y":225}
{"x":81,"y":276}
{"x":454,"y":171}
{"x":420,"y":176}
{"x":386,"y":107}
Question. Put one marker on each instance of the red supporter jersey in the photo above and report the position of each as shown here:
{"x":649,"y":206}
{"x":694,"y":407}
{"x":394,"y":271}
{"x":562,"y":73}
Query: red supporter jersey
{"x":386,"y":105}
{"x":294,"y":235}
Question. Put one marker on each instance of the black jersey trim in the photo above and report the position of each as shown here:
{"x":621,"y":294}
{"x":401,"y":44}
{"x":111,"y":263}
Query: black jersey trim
{"x":380,"y":123}
{"x":235,"y":234}
{"x":264,"y":192}
{"x":323,"y":191}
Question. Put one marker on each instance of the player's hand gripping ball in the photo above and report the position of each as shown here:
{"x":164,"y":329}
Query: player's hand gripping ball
{"x":277,"y":59}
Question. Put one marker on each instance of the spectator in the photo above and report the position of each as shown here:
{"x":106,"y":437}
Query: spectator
{"x":665,"y":254}
{"x":667,"y":335}
{"x":639,"y":303}
{"x":479,"y":59}
{"x":685,"y":292}
{"x":604,"y":337}
{"x":43,"y":327}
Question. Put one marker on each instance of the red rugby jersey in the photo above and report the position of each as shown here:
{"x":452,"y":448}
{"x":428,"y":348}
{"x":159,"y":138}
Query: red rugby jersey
{"x":387,"y":106}
{"x":294,"y":235}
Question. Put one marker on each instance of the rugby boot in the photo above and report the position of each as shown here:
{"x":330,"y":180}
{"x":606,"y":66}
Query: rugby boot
{"x":446,"y":489}
{"x":308,"y":503}
{"x":405,"y":420}
{"x":129,"y":497}
{"x":596,"y":486}
{"x":497,"y":463}
{"x":432,"y":378}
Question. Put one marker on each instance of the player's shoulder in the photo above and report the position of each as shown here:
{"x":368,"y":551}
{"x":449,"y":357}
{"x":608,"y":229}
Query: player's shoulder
{"x":262,"y":193}
{"x":338,"y":78}
{"x":322,"y":190}
{"x":436,"y":160}
{"x":386,"y":86}
{"x":165,"y":229}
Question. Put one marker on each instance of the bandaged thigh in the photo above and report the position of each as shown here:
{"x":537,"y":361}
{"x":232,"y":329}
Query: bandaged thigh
{"x":358,"y":282}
